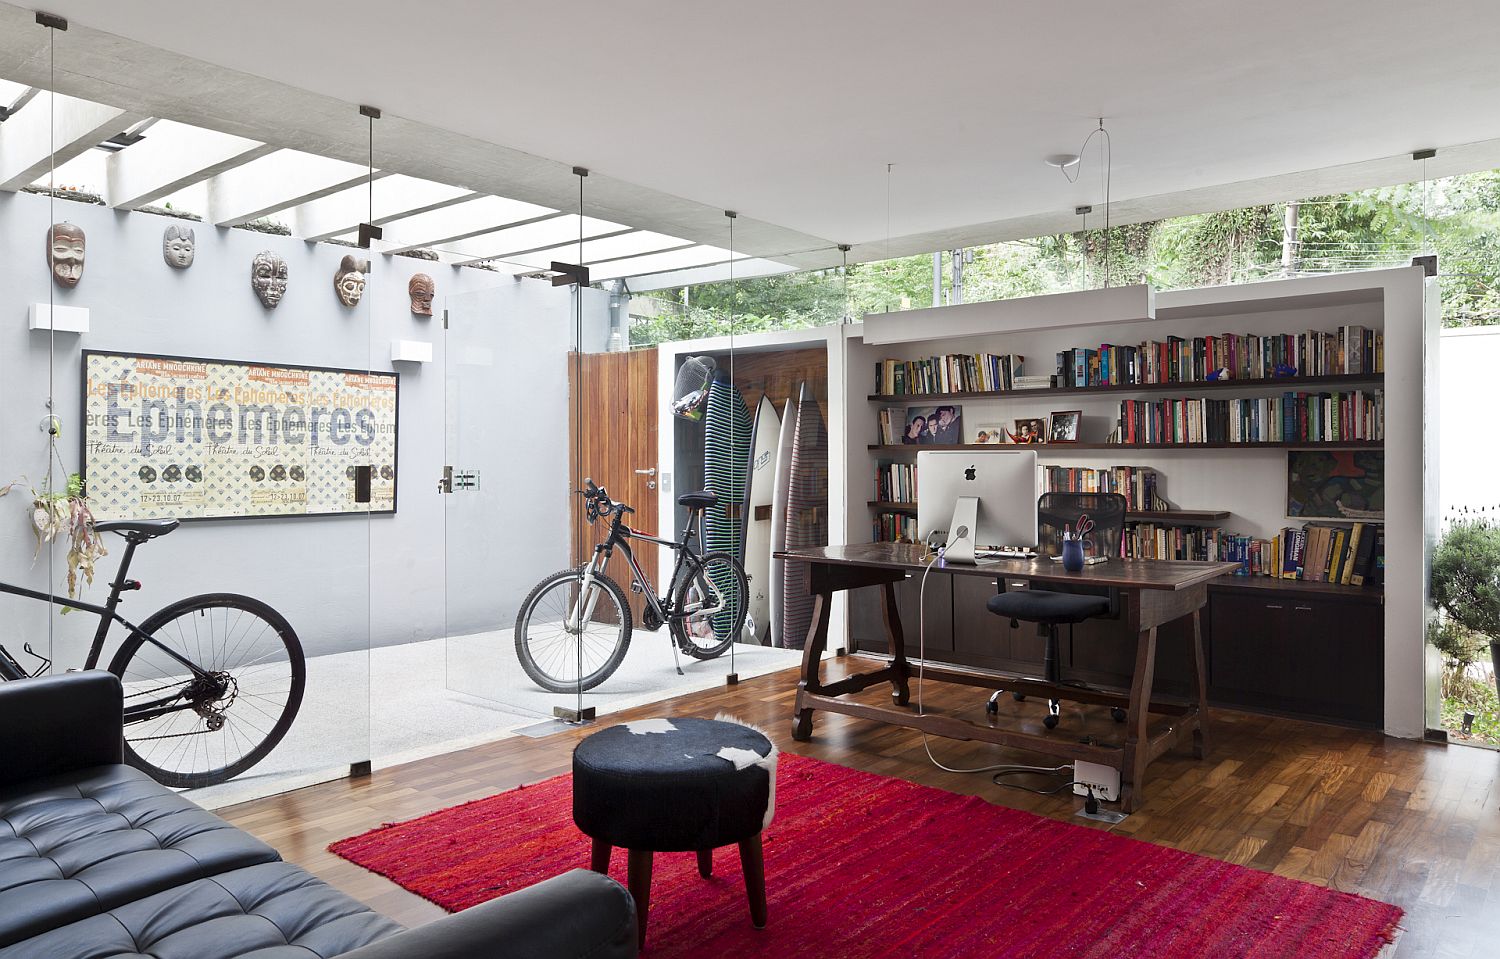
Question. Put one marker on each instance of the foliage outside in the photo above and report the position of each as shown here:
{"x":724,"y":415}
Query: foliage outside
{"x":1466,"y":590}
{"x":1456,"y":217}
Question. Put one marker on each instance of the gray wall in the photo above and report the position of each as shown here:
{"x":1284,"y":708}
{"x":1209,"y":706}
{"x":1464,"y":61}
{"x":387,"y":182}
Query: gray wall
{"x":342,"y":581}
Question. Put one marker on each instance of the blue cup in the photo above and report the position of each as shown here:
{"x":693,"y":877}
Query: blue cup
{"x":1072,"y":555}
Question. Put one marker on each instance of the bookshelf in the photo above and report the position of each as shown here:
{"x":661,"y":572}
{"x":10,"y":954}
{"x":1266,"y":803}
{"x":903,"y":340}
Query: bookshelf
{"x":1242,"y":486}
{"x":1351,"y":381}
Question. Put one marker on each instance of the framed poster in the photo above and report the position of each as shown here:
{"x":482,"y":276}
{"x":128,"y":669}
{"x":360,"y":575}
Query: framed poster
{"x":190,"y":438}
{"x":1335,"y":484}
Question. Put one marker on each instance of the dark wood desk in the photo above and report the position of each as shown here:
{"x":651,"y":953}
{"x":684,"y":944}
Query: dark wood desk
{"x":1152,"y":593}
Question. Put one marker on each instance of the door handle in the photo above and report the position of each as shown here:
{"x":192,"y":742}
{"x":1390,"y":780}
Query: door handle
{"x":647,"y":472}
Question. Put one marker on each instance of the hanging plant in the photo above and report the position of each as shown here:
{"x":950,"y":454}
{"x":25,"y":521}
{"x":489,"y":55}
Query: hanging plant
{"x":65,"y":513}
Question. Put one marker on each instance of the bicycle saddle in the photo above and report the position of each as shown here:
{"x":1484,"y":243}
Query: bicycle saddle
{"x":139,"y":529}
{"x":699,"y":500}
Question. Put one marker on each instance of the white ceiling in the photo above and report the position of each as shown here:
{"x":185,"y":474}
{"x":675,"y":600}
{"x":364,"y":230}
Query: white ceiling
{"x":788,"y":111}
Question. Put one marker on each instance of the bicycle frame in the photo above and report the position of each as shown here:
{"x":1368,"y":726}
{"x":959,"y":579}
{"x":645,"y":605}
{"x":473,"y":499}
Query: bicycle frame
{"x":108,"y":616}
{"x":619,"y":538}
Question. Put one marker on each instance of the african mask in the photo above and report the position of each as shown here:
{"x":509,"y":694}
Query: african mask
{"x":349,"y":281}
{"x":65,"y":253}
{"x":421,"y":290}
{"x":268,"y":278}
{"x":178,"y":244}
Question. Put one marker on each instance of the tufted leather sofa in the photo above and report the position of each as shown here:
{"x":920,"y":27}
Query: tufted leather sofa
{"x":97,"y":861}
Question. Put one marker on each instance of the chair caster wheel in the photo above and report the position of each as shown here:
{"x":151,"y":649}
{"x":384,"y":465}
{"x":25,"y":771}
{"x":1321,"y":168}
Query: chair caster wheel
{"x":1050,"y":721}
{"x":1117,"y":714}
{"x":1019,"y":697}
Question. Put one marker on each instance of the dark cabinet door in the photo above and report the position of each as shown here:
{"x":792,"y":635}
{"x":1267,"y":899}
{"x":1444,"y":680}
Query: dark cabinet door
{"x":867,"y":625}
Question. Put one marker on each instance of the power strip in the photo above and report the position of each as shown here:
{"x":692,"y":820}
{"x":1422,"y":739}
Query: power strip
{"x":1105,"y":780}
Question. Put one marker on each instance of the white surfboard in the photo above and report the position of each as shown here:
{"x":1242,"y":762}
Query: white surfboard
{"x":778,"y":509}
{"x":758,"y":532}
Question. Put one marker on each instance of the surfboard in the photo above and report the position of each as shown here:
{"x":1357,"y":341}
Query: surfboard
{"x":806,"y":515}
{"x":781,"y":481}
{"x":726,"y":453}
{"x":758,"y":532}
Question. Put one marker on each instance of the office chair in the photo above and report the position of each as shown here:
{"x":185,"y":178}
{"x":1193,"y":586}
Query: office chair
{"x":1054,"y":604}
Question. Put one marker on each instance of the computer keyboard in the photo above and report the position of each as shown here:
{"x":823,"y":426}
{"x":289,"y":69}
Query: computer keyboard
{"x":1006,"y":552}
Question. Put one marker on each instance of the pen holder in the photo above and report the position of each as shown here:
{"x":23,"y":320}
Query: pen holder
{"x":1072,"y":555}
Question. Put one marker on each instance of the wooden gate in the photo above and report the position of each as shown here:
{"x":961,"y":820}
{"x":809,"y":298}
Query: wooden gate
{"x":612,"y":413}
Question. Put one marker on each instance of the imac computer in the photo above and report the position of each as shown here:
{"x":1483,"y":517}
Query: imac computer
{"x":981,"y":498}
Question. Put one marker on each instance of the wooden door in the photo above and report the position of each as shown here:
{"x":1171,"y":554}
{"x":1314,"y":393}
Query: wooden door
{"x":612,"y":412}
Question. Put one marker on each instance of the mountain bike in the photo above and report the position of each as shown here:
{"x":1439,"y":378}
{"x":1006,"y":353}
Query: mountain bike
{"x":573,"y":630}
{"x":212,"y":682}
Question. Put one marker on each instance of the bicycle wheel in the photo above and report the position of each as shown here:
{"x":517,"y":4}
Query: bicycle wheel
{"x":715,"y":598}
{"x":553,"y":651}
{"x":231,"y":718}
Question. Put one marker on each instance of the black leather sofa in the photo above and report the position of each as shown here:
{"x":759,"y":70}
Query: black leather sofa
{"x":97,"y":861}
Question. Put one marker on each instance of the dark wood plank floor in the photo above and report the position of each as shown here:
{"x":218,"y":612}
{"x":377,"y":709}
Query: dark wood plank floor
{"x":1413,"y":824}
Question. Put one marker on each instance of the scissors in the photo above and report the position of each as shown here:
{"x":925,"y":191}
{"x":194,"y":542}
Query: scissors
{"x":1085,"y":527}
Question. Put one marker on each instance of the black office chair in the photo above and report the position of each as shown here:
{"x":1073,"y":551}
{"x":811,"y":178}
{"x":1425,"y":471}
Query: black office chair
{"x":1054,"y":604}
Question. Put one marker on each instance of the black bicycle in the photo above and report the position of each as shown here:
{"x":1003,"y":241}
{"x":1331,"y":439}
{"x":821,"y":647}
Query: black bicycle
{"x":212,"y":682}
{"x":573,"y":630}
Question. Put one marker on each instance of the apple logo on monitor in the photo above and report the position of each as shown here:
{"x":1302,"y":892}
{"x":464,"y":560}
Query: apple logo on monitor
{"x":969,"y":474}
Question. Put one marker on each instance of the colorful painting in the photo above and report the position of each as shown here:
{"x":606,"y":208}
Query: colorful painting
{"x":1335,"y":484}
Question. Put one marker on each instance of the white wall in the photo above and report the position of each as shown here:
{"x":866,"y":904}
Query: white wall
{"x":342,"y":581}
{"x":1468,"y":358}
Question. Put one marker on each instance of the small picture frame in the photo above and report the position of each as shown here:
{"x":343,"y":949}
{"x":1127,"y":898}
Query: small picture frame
{"x":1032,"y":430}
{"x":1062,"y":427}
{"x":991,"y":435}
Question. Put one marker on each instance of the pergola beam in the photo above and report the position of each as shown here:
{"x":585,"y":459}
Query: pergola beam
{"x":396,"y":197}
{"x":29,"y":146}
{"x":280,"y":181}
{"x":461,"y":221}
{"x":171,"y":157}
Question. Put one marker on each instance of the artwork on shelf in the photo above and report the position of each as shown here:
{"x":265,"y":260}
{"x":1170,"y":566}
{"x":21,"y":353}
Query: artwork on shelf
{"x":991,"y":435}
{"x":421,"y":290}
{"x":1063,"y":427}
{"x":1033,"y":430}
{"x":1335,"y":484}
{"x":65,"y":245}
{"x":170,"y":436}
{"x":179,"y":244}
{"x":933,"y":425}
{"x":349,"y":279}
{"x":268,"y":278}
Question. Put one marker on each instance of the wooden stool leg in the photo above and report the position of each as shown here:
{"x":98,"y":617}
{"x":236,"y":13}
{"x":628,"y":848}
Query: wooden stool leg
{"x":705,"y":863}
{"x":753,"y":863}
{"x":638,"y":881}
{"x":599,"y":862}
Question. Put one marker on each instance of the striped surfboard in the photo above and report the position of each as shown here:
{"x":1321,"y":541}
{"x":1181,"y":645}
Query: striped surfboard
{"x":806,"y":516}
{"x":727,"y":435}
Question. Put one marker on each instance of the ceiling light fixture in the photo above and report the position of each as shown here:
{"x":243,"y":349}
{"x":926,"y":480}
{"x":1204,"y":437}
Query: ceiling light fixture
{"x":1062,"y":160}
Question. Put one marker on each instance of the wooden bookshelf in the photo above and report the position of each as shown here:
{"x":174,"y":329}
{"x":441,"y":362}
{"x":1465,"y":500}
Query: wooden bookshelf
{"x":1059,"y":449}
{"x":1171,"y":515}
{"x":1285,"y":382}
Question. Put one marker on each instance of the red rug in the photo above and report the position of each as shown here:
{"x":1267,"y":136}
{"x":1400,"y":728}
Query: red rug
{"x":862,"y":865}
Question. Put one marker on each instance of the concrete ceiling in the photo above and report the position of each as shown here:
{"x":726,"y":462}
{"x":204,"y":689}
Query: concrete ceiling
{"x":789,"y":112}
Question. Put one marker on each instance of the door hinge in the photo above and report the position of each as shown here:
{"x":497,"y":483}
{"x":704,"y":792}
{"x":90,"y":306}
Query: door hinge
{"x":445,"y":319}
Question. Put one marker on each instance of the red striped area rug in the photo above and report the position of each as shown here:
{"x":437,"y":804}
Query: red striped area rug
{"x":860,"y":865}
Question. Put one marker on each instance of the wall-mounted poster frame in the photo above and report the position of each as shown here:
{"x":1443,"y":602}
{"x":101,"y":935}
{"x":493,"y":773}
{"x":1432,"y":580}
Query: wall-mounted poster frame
{"x":194,"y":438}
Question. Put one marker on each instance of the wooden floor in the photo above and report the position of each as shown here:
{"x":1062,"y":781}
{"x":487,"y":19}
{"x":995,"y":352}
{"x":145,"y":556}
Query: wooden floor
{"x":1413,"y":824}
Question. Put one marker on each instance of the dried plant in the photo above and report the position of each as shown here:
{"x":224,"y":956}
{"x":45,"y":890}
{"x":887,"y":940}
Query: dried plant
{"x":58,"y":514}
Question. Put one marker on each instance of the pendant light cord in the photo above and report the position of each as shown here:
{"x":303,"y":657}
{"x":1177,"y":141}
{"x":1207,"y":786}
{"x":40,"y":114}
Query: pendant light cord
{"x":1106,"y":176}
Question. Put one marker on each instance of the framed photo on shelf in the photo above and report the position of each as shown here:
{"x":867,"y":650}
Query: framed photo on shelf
{"x":1032,"y":430}
{"x":1063,"y":427}
{"x":991,"y":435}
{"x":933,"y":425}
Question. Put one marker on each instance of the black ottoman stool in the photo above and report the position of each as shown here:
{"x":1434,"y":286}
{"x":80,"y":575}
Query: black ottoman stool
{"x":676,"y":785}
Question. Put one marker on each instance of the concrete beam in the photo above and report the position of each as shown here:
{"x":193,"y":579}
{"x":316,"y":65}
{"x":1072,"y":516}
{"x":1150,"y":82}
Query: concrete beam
{"x":29,"y":147}
{"x":171,"y":157}
{"x":553,"y":233}
{"x":460,"y":221}
{"x":396,"y":197}
{"x":280,"y":181}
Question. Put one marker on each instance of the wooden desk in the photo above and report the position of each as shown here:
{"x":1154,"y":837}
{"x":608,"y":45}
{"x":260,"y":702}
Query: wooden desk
{"x":1152,"y":593}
